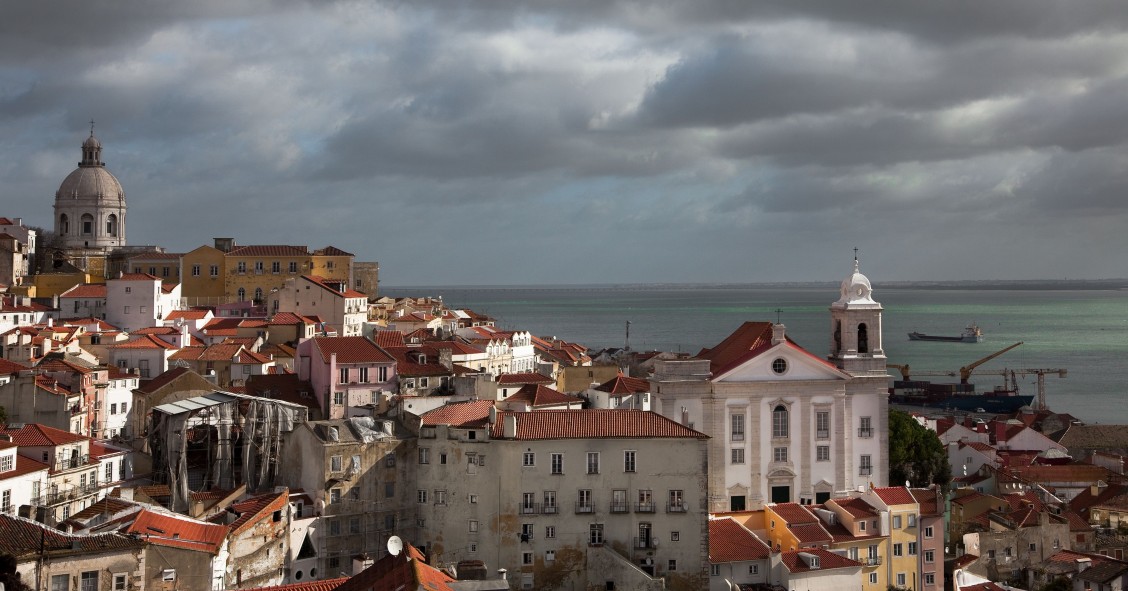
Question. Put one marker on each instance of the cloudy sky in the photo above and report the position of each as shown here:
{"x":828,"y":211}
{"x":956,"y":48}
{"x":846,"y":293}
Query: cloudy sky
{"x":592,"y":141}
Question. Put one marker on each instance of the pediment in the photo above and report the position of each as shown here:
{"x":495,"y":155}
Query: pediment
{"x":800,"y":365}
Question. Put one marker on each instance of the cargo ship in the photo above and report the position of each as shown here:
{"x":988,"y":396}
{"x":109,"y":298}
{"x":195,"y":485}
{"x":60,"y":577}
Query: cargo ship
{"x":962,"y":397}
{"x":971,"y":334}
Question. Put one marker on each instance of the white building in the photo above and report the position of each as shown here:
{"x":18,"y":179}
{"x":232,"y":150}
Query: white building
{"x":118,"y":402}
{"x":22,"y":479}
{"x":787,"y":426}
{"x":344,"y":310}
{"x":612,"y":498}
{"x":139,"y":300}
{"x":85,"y":300}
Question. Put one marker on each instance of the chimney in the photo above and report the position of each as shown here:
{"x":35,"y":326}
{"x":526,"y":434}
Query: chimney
{"x":1084,"y":563}
{"x":777,"y":334}
{"x":1000,"y":433}
{"x":501,"y":572}
{"x":509,"y":426}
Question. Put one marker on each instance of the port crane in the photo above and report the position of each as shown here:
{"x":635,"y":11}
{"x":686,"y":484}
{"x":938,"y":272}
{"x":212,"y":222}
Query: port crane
{"x":965,"y":373}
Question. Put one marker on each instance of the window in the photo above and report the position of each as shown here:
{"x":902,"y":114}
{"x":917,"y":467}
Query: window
{"x":241,"y":267}
{"x":900,"y":579}
{"x":822,"y":424}
{"x":595,"y":533}
{"x":242,"y":294}
{"x":865,"y":468}
{"x":60,"y":582}
{"x":645,"y":500}
{"x":753,"y":569}
{"x":737,"y":421}
{"x":866,"y":428}
{"x":528,"y":503}
{"x":213,"y":270}
{"x":195,"y":270}
{"x":549,"y":532}
{"x":593,"y":462}
{"x":675,"y":536}
{"x":929,"y":555}
{"x":6,"y":501}
{"x":928,"y":532}
{"x":335,"y":464}
{"x":1034,"y":547}
{"x":473,"y":526}
{"x":896,"y":522}
{"x":738,"y":455}
{"x":779,"y":366}
{"x":121,"y":583}
{"x":898,"y":549}
{"x":473,"y":499}
{"x":550,"y":501}
{"x":363,"y":375}
{"x":779,"y":454}
{"x":583,"y":504}
{"x":912,"y":548}
{"x":672,"y":565}
{"x":109,"y":471}
{"x":344,"y":375}
{"x":126,"y":310}
{"x":526,"y":532}
{"x":442,"y":458}
{"x":557,"y":463}
{"x":389,"y":489}
{"x":822,"y":453}
{"x":549,"y":555}
{"x":440,"y":497}
{"x":421,"y":496}
{"x":424,"y":455}
{"x":929,"y":578}
{"x":338,"y":398}
{"x":628,"y":461}
{"x":714,"y":570}
{"x":677,"y":500}
{"x":87,"y":229}
{"x":258,"y":267}
{"x":293,"y":266}
{"x":779,"y":422}
{"x":334,"y":527}
{"x":912,"y":519}
{"x":7,"y":463}
{"x":334,"y":496}
{"x":526,"y":558}
{"x":529,"y":459}
{"x":275,"y":267}
{"x":88,"y":581}
{"x":873,"y":578}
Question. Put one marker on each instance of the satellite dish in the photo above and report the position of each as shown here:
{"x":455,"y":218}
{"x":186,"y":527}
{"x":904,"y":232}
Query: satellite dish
{"x":395,"y":546}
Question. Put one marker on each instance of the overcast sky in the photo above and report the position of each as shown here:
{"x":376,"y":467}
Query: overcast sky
{"x":592,"y":141}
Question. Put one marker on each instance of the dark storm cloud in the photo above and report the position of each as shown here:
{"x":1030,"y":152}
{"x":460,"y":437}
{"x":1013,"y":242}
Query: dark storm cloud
{"x":589,"y":141}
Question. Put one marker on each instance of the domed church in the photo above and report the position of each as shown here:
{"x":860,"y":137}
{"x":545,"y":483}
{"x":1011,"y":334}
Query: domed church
{"x":89,"y":212}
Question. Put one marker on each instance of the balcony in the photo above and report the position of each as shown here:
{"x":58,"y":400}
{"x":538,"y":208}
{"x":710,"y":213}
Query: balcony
{"x":584,"y":507}
{"x":620,"y":507}
{"x":530,"y":509}
{"x":550,"y":509}
{"x":72,"y":462}
{"x":871,"y":561}
{"x":865,"y":471}
{"x":822,"y":434}
{"x":678,"y":507}
{"x":865,"y":432}
{"x":644,"y":507}
{"x":645,"y":543}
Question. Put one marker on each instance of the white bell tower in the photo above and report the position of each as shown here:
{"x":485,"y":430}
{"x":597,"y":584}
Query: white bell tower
{"x":855,"y":325}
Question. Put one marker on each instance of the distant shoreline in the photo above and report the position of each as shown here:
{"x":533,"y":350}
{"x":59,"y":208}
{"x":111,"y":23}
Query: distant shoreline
{"x":1017,"y":285}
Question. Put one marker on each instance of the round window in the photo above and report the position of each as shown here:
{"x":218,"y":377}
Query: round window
{"x":298,"y":576}
{"x":313,"y":572}
{"x":779,"y":365}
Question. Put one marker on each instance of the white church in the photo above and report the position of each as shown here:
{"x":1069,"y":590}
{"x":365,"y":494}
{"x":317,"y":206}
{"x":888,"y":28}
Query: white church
{"x":787,"y":425}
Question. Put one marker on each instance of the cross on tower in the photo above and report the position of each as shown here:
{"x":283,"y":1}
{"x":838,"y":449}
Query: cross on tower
{"x":855,"y":249}
{"x":91,"y":128}
{"x":778,"y":311}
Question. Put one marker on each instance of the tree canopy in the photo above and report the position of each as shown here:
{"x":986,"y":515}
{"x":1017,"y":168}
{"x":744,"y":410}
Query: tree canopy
{"x":916,"y":454}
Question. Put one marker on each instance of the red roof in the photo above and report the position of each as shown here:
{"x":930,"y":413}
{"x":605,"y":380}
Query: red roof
{"x":930,"y":505}
{"x":146,"y":341}
{"x":178,"y":531}
{"x":11,"y":367}
{"x":809,"y":533}
{"x":855,"y":506}
{"x":622,"y":384}
{"x":793,"y":513}
{"x":137,"y":277}
{"x":523,"y":378}
{"x":747,"y":342}
{"x":255,"y":508}
{"x":895,"y":495}
{"x":325,"y":585}
{"x":537,"y":395}
{"x":24,"y":466}
{"x":34,"y":434}
{"x":332,"y":251}
{"x":592,"y":423}
{"x":796,"y":564}
{"x":409,"y":570}
{"x":388,"y":338}
{"x":729,"y":541}
{"x":85,"y":290}
{"x":266,"y":250}
{"x":188,"y":314}
{"x":351,"y":350}
{"x":475,"y":413}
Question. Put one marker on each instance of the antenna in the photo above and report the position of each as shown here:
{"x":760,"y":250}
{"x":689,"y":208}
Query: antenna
{"x":395,"y":545}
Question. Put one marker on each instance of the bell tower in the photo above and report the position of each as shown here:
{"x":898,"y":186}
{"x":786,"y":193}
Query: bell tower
{"x":855,"y":324}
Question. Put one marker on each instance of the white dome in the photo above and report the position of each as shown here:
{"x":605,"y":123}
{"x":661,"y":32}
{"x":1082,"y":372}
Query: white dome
{"x":90,"y":182}
{"x":856,"y":289}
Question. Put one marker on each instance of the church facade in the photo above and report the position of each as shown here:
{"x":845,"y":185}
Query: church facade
{"x":786,"y":424}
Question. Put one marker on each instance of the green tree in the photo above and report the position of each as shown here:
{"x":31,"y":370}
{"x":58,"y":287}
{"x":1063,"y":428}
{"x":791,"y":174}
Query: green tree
{"x":916,"y":454}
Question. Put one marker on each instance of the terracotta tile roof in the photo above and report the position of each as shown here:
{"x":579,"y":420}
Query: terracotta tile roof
{"x":810,"y":533}
{"x":1076,"y":522}
{"x":323,"y":585}
{"x":458,"y":347}
{"x":408,"y":570}
{"x":156,"y":256}
{"x":255,"y":508}
{"x":107,"y":505}
{"x":146,"y":341}
{"x":1083,"y":437}
{"x":351,"y":350}
{"x":621,"y":384}
{"x":1104,"y":573}
{"x":332,"y":251}
{"x":23,"y":537}
{"x":930,"y":505}
{"x":592,"y":423}
{"x":289,"y":318}
{"x":188,"y":354}
{"x":855,"y":506}
{"x":827,"y":560}
{"x":220,"y":352}
{"x":895,"y":495}
{"x":34,"y":434}
{"x":1061,"y":473}
{"x":155,"y":330}
{"x":1085,"y":499}
{"x":511,"y":379}
{"x":85,"y":290}
{"x":136,"y":277}
{"x":747,"y":342}
{"x":471,"y":414}
{"x":729,"y":541}
{"x":178,"y":531}
{"x":388,"y":338}
{"x":792,"y":513}
{"x":965,"y":499}
{"x":538,"y":395}
{"x":11,"y":367}
{"x":1024,"y":499}
{"x":187,"y":314}
{"x":267,"y":250}
{"x":100,"y":450}
{"x":250,"y":357}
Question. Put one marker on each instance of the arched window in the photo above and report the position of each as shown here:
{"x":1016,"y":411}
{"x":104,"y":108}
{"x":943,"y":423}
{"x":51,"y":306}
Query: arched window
{"x":863,"y":339}
{"x":87,"y":224}
{"x":837,"y":336}
{"x":242,"y":294}
{"x":111,"y":225}
{"x":258,"y":294}
{"x":64,"y":224}
{"x":779,"y":421}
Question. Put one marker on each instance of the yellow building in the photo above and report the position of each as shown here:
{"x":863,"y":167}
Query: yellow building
{"x":202,"y":276}
{"x":901,"y":516}
{"x":332,"y":263}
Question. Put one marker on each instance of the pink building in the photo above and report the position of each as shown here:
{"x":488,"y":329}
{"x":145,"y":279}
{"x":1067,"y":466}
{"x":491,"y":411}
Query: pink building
{"x":348,"y":374}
